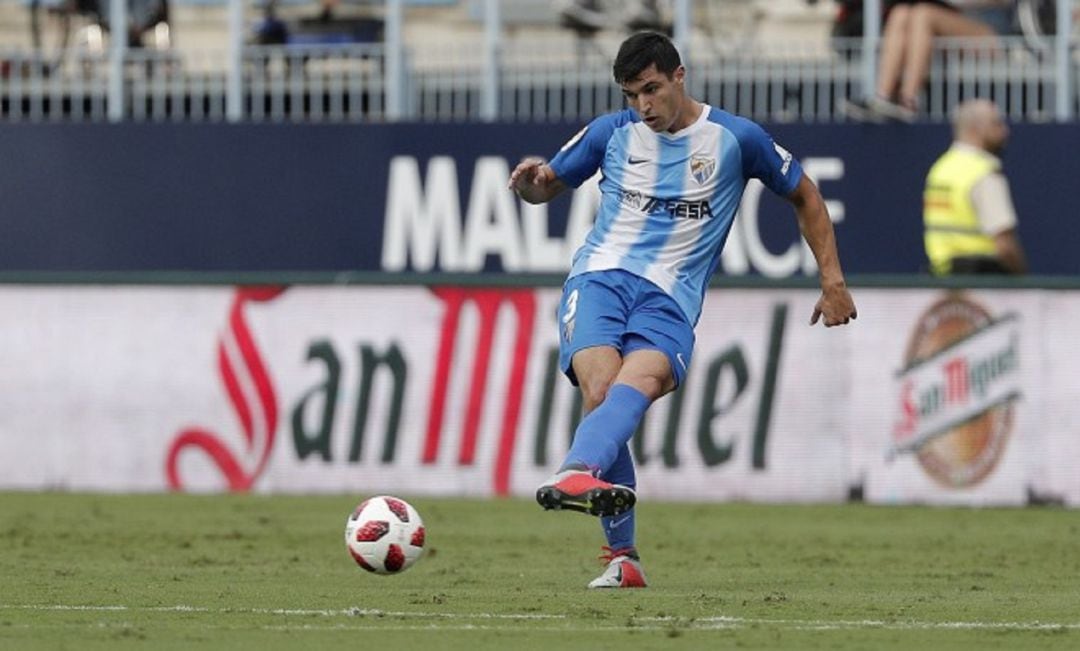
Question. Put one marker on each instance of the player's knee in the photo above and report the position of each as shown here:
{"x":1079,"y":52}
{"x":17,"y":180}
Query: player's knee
{"x":651,"y":386}
{"x":655,"y":387}
{"x":594,"y":390}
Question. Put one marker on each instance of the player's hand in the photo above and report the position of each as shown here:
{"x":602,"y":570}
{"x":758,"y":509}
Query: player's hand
{"x":835,"y":305}
{"x":530,"y":171}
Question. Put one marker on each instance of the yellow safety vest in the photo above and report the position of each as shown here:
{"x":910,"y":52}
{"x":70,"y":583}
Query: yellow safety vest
{"x":952,"y":227}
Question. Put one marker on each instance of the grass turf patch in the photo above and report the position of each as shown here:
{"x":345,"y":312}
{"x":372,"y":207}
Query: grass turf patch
{"x":270,"y":572}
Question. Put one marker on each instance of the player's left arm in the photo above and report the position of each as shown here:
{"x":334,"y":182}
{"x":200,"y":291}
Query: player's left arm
{"x":780,"y":172}
{"x":835,"y":306}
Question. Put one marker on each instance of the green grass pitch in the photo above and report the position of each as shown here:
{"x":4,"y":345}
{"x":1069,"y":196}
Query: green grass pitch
{"x":255,"y":572}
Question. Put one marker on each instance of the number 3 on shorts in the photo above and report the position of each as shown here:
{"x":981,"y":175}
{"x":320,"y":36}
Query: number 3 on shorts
{"x":571,"y":307}
{"x":568,"y":316}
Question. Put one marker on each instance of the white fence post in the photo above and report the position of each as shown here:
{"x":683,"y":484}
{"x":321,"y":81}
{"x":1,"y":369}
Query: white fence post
{"x":117,"y":49}
{"x":489,"y":100}
{"x":1063,"y":61}
{"x":871,"y":38}
{"x":681,"y":29}
{"x":394,"y":52}
{"x":234,"y":90}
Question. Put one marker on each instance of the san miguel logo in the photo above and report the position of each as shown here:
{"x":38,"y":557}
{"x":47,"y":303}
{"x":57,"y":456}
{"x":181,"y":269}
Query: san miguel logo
{"x":249,"y":387}
{"x":465,"y":405}
{"x":957,"y":391}
{"x":251,"y":392}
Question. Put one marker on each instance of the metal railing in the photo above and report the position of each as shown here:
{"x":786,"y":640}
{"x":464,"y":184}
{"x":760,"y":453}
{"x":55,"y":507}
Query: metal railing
{"x":349,"y":84}
{"x":549,"y":79}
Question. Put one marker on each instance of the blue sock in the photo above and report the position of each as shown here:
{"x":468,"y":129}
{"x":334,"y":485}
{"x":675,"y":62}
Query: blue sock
{"x":607,"y":429}
{"x":619,"y":529}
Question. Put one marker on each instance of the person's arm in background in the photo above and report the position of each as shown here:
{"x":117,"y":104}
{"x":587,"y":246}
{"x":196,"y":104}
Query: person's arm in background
{"x":997,"y":217}
{"x":1010,"y":252}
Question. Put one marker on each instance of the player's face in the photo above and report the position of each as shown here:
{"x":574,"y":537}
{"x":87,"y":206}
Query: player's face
{"x":657,"y":98}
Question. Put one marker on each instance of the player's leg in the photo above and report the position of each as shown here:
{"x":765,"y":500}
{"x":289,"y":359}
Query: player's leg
{"x":623,"y":568}
{"x":595,"y":369}
{"x":619,"y":529}
{"x":583,"y":481}
{"x":645,"y":374}
{"x":657,"y":348}
{"x":602,"y":434}
{"x":592,"y":317}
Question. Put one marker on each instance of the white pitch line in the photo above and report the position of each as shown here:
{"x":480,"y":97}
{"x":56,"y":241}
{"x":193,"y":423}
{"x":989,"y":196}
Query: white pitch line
{"x":567,"y":628}
{"x":301,"y":612}
{"x":646,"y":622}
{"x":890,"y":625}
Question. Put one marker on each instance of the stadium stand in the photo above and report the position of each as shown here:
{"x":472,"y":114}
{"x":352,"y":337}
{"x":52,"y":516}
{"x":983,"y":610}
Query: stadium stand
{"x":769,"y":59}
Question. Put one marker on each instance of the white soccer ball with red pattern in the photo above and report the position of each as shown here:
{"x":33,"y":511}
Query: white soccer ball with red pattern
{"x":385,"y":535}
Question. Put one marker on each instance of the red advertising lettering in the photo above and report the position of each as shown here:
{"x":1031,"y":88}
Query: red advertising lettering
{"x":258,"y":418}
{"x":487,"y":302}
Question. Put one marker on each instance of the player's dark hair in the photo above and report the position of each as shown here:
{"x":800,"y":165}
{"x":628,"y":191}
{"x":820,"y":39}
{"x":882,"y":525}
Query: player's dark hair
{"x":642,"y":50}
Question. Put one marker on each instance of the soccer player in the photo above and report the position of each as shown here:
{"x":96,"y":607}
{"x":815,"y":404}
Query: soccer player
{"x":673,"y":172}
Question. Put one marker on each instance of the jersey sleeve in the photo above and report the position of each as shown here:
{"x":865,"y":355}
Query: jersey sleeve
{"x":581,"y":156}
{"x":767,"y":161}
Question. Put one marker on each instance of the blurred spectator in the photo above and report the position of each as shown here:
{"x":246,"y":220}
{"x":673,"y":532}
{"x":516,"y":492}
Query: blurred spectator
{"x":327,"y":8}
{"x":907,"y":44}
{"x":967,"y":209}
{"x":332,"y":22}
{"x":848,"y":22}
{"x":271,"y":30}
{"x":587,"y":17}
{"x":144,"y":18}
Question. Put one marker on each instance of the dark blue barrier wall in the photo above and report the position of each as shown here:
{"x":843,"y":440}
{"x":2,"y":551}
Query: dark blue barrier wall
{"x":272,"y":198}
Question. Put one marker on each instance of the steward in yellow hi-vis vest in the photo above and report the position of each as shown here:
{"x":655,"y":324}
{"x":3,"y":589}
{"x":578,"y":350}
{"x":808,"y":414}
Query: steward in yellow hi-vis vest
{"x":952,"y":225}
{"x":968,"y":214}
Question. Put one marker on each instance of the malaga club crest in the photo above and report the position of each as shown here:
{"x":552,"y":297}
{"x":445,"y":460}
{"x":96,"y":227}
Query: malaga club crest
{"x":702,"y":168}
{"x":957,"y":391}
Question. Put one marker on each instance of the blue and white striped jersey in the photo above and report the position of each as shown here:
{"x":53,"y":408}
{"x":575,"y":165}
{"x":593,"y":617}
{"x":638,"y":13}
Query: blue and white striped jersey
{"x":668,"y":199}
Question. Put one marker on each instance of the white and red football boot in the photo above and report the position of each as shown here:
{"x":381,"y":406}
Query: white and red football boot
{"x":578,"y":490}
{"x":623,"y":570}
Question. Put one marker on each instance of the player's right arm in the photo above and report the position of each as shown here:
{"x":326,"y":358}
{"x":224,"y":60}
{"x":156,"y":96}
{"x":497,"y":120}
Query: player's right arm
{"x":534,"y":181}
{"x":537,"y":181}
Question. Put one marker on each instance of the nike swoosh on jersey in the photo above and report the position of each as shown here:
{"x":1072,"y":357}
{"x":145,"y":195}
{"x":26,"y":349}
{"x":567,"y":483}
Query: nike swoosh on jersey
{"x":636,"y":161}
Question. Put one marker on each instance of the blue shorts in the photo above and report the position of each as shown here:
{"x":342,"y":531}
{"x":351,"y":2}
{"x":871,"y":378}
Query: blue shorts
{"x":619,"y":309}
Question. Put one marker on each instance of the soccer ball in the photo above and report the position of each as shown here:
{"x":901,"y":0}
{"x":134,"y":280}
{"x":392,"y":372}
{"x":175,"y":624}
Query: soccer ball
{"x":385,"y":535}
